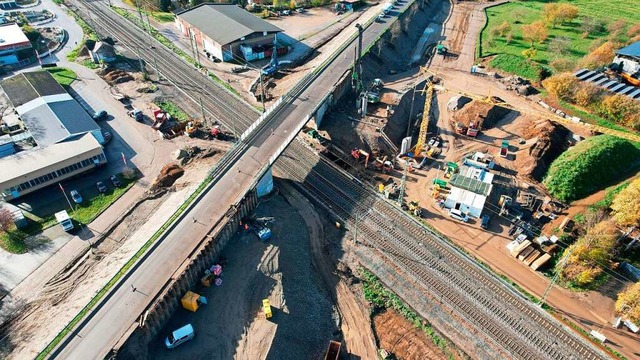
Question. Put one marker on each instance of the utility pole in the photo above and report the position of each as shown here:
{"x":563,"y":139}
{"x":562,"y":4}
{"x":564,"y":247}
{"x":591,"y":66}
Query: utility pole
{"x":355,"y":232}
{"x":204,"y":118}
{"x":144,"y":72}
{"x":403,"y":183}
{"x":560,"y":267}
{"x":193,"y":51}
{"x":139,"y":13}
{"x":413,"y":97}
{"x":262,"y":91}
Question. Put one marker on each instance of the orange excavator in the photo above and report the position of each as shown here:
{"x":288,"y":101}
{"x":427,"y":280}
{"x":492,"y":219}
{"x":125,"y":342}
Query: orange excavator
{"x":359,"y":155}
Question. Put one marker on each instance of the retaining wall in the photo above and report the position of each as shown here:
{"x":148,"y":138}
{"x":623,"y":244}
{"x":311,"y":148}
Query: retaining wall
{"x":188,"y":275}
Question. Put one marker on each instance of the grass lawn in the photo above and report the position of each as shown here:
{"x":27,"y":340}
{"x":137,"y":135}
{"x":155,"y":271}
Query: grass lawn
{"x":91,"y":208}
{"x":173,"y":110}
{"x":13,"y":241}
{"x":163,"y":17}
{"x":63,"y":76}
{"x":607,"y":11}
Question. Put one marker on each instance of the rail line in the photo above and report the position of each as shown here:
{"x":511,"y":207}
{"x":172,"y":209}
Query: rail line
{"x":504,"y":316}
{"x":508,"y":320}
{"x":231,"y":111}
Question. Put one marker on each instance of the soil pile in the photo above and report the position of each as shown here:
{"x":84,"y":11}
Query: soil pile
{"x":485,"y":115}
{"x":548,"y":142}
{"x":115,"y":76}
{"x":168,"y":175}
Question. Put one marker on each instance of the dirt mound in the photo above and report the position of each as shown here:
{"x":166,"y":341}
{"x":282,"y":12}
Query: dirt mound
{"x":546,"y":141}
{"x":168,"y":175}
{"x":115,"y":76}
{"x":484,"y":114}
{"x":398,"y":336}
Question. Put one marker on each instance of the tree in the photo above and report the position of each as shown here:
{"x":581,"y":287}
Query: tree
{"x":567,"y":13}
{"x":618,"y":108}
{"x":560,"y":45}
{"x":588,"y":94}
{"x":562,"y":86}
{"x":550,"y":14}
{"x":164,"y":5}
{"x":501,"y":30}
{"x":601,"y":56}
{"x":592,"y":252}
{"x":562,"y":65}
{"x":535,"y":32}
{"x":529,"y":53}
{"x":628,"y":303}
{"x":626,"y":207}
{"x":590,"y":26}
{"x":6,"y":220}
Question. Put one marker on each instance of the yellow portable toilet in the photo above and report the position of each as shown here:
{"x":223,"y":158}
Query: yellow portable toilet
{"x":190,"y":301}
{"x":266,"y":307}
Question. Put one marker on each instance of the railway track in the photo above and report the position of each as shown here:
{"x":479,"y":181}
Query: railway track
{"x":509,"y":321}
{"x":234,"y":113}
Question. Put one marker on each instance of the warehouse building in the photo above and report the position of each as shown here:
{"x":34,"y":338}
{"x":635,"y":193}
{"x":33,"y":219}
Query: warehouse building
{"x":227,"y":32}
{"x":15,"y":48}
{"x":49,"y":138}
{"x":629,"y":58}
{"x":470,"y":188}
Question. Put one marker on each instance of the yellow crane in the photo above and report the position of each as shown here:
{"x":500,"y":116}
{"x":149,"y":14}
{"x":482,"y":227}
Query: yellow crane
{"x":426,"y":112}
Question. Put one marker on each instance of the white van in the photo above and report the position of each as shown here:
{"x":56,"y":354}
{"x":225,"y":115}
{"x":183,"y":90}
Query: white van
{"x":180,"y":336}
{"x":458,"y":215}
{"x":64,"y":220}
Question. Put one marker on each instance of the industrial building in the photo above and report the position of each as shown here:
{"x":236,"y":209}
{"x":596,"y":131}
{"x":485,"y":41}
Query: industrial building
{"x":470,"y":188}
{"x":227,"y":32}
{"x":49,"y":137}
{"x":629,"y":57}
{"x":15,"y":48}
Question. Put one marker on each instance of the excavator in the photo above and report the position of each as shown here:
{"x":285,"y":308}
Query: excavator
{"x":360,"y":155}
{"x":383,"y":165}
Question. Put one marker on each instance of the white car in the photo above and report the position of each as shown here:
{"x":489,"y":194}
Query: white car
{"x":458,"y":215}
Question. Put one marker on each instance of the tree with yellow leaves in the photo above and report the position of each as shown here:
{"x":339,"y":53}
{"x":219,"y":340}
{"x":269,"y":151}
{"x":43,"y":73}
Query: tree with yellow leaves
{"x":626,"y":206}
{"x":628,"y":303}
{"x":536,"y":32}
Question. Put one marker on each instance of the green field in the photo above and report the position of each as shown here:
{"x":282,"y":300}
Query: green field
{"x":63,"y":76}
{"x":607,"y":11}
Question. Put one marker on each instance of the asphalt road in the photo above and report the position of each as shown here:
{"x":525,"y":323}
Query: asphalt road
{"x":97,"y":334}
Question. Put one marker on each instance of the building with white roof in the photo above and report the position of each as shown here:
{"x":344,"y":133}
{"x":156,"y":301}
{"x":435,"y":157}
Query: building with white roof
{"x":56,"y":140}
{"x":470,"y":188}
{"x":13,"y":45}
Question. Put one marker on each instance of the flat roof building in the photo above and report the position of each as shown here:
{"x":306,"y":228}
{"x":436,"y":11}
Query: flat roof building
{"x":470,"y":188}
{"x":220,"y":29}
{"x":13,"y":43}
{"x":64,"y":139}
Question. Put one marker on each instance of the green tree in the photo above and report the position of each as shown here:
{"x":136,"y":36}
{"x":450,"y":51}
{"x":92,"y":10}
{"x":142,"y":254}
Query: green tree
{"x":590,"y":254}
{"x":529,"y":53}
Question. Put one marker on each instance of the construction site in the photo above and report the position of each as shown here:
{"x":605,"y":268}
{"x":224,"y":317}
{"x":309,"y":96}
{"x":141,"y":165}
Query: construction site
{"x":416,"y":134}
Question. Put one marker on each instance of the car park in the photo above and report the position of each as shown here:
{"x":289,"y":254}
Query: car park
{"x":99,"y":115}
{"x":102,"y":187}
{"x":115,"y":180}
{"x":75,"y":195}
{"x":458,"y":215}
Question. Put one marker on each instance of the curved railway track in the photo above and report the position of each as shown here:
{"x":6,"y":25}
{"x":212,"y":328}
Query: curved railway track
{"x":511,"y":322}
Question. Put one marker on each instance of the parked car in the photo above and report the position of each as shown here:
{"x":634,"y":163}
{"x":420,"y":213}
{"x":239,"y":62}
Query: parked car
{"x":458,"y":215}
{"x":100,"y":115}
{"x":75,"y":195}
{"x":115,"y":181}
{"x":101,"y":187}
{"x":485,"y":221}
{"x":108,"y":136}
{"x":286,"y":12}
{"x":179,"y":337}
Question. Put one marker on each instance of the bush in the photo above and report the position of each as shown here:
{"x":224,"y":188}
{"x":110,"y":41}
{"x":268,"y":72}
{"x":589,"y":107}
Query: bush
{"x":562,"y":65}
{"x":625,"y":205}
{"x":519,"y":66}
{"x":562,"y":86}
{"x":590,"y":166}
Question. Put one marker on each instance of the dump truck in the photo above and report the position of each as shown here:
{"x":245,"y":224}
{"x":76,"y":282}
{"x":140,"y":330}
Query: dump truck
{"x":333,"y":352}
{"x":504,"y":148}
{"x":266,"y":308}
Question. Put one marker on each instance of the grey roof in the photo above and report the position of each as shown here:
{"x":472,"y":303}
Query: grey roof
{"x":53,"y":122}
{"x":24,"y":87}
{"x":225,"y":23}
{"x":631,"y":50}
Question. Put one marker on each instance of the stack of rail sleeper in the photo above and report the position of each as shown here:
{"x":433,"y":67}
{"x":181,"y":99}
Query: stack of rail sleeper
{"x":518,"y":249}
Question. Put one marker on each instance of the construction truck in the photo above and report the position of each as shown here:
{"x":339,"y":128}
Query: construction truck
{"x":441,"y":50}
{"x":217,"y":133}
{"x":504,"y":148}
{"x":333,"y":352}
{"x":159,"y":118}
{"x":383,"y":165}
{"x":451,"y":169}
{"x":259,"y":226}
{"x":266,"y":309}
{"x":314,"y":134}
{"x":414,"y":208}
{"x":360,"y":155}
{"x":136,"y":114}
{"x":473,"y":129}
